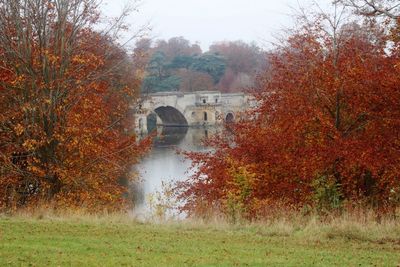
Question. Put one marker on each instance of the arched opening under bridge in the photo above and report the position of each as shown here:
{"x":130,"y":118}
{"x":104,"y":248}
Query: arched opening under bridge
{"x":170,"y":116}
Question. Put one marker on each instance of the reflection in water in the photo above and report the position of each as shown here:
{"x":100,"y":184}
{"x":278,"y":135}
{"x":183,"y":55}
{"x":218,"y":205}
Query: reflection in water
{"x":170,"y":136}
{"x":163,"y":164}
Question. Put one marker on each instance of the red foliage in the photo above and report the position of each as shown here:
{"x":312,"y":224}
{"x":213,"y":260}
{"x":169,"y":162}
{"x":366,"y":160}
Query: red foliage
{"x":328,"y":120}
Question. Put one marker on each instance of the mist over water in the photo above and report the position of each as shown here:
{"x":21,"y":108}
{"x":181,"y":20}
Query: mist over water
{"x":164,"y":164}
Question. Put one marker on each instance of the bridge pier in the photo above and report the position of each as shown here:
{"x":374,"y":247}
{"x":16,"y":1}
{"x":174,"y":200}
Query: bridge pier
{"x":141,"y":124}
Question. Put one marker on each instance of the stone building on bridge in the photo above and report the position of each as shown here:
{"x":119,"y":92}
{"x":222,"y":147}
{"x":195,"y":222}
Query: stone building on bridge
{"x":202,"y":108}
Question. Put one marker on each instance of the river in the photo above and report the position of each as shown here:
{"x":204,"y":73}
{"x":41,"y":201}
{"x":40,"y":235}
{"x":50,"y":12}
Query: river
{"x":163,"y":164}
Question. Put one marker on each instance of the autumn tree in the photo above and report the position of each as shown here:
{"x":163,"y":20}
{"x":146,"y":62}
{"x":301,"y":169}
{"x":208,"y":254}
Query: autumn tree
{"x":177,"y":46}
{"x":324,"y":133}
{"x":371,"y":8}
{"x":212,"y":64}
{"x":233,"y":66}
{"x":243,"y":62}
{"x":240,"y":56}
{"x":159,"y":76}
{"x":65,"y":89}
{"x":177,"y":64}
{"x":192,"y":81}
{"x":141,"y":56}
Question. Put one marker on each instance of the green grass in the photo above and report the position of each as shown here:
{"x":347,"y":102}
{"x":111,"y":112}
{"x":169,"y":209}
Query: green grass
{"x":103,"y":242}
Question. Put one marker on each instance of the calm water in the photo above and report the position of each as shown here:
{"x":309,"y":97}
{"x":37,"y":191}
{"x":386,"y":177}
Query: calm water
{"x":163,"y":164}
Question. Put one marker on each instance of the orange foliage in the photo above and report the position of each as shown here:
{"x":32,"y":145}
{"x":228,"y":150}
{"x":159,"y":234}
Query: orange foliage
{"x":65,"y":134}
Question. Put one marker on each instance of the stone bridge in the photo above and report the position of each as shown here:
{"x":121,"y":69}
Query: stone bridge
{"x":202,"y":108}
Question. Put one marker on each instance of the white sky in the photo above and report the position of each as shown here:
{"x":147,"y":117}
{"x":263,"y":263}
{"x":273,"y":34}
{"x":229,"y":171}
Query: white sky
{"x":208,"y":21}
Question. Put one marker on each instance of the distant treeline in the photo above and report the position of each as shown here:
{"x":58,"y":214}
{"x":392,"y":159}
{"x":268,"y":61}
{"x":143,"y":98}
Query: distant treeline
{"x":178,"y":65}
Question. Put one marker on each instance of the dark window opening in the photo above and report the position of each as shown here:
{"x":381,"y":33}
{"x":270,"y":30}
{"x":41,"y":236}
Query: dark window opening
{"x":205,"y":116}
{"x":229,"y":118}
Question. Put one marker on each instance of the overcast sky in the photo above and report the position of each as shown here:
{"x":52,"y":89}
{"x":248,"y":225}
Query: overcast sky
{"x":208,"y":21}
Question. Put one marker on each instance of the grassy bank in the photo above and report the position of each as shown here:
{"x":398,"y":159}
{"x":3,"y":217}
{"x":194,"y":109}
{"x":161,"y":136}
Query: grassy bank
{"x":114,"y":241}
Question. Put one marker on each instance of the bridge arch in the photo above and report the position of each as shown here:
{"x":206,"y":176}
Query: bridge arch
{"x":171,"y":116}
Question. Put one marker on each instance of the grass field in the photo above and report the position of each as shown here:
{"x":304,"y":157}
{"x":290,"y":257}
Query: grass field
{"x":121,"y":242}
